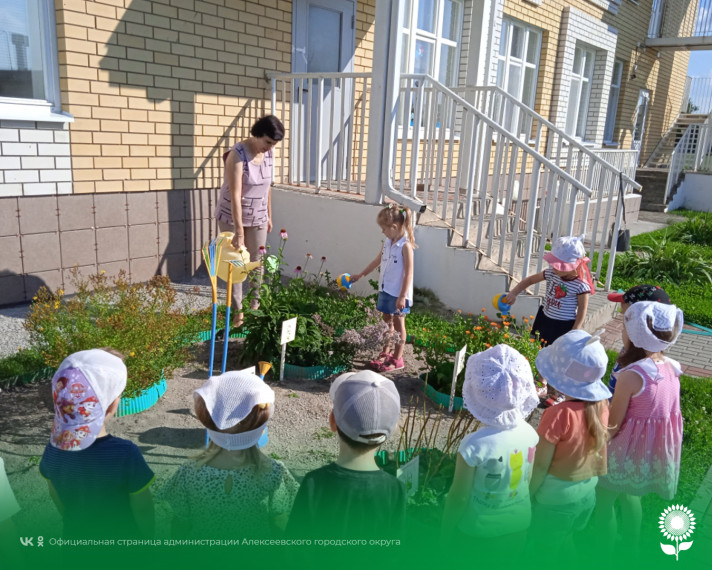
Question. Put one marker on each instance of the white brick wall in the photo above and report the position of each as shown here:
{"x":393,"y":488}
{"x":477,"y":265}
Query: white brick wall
{"x":34,"y":159}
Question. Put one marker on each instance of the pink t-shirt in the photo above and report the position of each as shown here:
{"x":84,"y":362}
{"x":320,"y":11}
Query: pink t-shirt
{"x":256,"y":181}
{"x":564,"y":426}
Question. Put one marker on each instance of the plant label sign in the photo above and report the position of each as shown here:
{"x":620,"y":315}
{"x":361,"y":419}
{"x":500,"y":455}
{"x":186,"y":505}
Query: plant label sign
{"x":250,"y":370}
{"x":408,"y":473}
{"x":289,"y":333}
{"x":459,"y":365}
{"x":289,"y":330}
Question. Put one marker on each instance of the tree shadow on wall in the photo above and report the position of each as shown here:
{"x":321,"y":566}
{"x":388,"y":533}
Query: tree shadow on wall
{"x":181,"y":71}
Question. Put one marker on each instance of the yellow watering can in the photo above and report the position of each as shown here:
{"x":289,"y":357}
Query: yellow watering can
{"x":239,"y":258}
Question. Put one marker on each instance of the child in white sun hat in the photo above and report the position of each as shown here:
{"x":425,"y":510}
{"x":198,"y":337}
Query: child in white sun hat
{"x":571,"y":453}
{"x":568,"y":285}
{"x":231,"y":489}
{"x":645,"y":421}
{"x":100,"y":483}
{"x":489,"y":497}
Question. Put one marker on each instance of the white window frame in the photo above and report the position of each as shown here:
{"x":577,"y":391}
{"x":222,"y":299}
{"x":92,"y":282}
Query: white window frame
{"x":507,"y":61}
{"x":411,"y":33}
{"x":575,"y":124}
{"x":49,"y":109}
{"x":613,"y":98}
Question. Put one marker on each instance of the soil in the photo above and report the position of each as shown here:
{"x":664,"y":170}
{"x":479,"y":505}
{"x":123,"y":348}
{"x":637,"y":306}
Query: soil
{"x":168,"y":434}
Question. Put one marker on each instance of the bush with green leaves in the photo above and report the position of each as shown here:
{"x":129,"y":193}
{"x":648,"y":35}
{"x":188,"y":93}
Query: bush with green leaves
{"x":664,"y":262}
{"x":137,"y":319}
{"x":436,"y":339}
{"x":332,"y":325}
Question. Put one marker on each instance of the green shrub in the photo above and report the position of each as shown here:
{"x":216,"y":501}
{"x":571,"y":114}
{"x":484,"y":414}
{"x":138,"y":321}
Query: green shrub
{"x":664,"y":262}
{"x":696,"y":230}
{"x":138,"y":320}
{"x":22,"y":362}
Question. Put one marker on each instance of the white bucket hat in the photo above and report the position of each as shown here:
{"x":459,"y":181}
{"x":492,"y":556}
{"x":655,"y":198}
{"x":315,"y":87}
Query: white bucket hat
{"x":499,"y":387}
{"x":229,"y":399}
{"x":663,"y":318}
{"x":574,"y":364}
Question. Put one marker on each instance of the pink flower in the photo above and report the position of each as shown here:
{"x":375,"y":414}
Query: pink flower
{"x":323,"y":258}
{"x":298,"y":270}
{"x":283,"y":233}
{"x":309,"y":256}
{"x":263,"y":248}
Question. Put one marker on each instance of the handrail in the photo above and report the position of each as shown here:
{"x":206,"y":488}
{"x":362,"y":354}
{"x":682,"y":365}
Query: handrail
{"x":497,"y":127}
{"x":552,"y":127}
{"x":688,"y":153}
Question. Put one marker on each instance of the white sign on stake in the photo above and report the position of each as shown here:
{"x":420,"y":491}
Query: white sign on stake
{"x":459,"y":365}
{"x":408,"y":473}
{"x":250,"y":370}
{"x":289,"y":333}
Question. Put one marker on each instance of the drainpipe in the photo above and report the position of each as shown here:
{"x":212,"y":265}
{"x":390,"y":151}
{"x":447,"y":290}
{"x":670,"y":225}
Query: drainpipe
{"x":384,"y":92}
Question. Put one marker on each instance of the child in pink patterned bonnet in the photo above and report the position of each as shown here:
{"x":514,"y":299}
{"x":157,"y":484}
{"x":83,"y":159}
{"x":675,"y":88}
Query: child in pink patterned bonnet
{"x":645,"y":423}
{"x":568,"y":285}
{"x":488,"y":503}
{"x":231,"y":489}
{"x":100,"y":483}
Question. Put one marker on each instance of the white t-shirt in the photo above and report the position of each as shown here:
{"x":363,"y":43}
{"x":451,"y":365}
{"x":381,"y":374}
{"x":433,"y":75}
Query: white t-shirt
{"x":8,"y":504}
{"x":503,"y":459}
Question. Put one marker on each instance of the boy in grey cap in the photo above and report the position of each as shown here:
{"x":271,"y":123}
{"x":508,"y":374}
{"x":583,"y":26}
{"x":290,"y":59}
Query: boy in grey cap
{"x":352,"y":498}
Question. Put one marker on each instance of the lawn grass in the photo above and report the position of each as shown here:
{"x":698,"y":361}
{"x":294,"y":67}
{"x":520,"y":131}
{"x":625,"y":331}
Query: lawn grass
{"x":695,"y":300}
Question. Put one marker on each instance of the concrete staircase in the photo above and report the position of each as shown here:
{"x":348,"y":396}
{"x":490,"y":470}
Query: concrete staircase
{"x":654,"y":183}
{"x":661,"y":156}
{"x":474,"y":279}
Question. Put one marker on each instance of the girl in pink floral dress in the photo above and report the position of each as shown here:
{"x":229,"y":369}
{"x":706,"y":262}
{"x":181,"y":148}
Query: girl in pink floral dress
{"x":645,"y":424}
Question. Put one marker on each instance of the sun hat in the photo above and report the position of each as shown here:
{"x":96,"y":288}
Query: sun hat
{"x":499,"y":387}
{"x":569,"y":254}
{"x":84,"y":386}
{"x":365,"y":404}
{"x":229,"y":399}
{"x":643,"y":292}
{"x":566,"y":253}
{"x":574,"y":364}
{"x":663,"y":317}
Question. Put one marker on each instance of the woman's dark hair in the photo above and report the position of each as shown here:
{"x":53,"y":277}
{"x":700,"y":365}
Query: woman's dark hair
{"x":268,"y":125}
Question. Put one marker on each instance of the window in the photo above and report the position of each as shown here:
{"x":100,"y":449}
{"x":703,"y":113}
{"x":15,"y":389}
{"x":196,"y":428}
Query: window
{"x":29,"y":83}
{"x":580,"y":91}
{"x":431,"y":39}
{"x":518,"y":60}
{"x":517,"y":66}
{"x":613,"y":96}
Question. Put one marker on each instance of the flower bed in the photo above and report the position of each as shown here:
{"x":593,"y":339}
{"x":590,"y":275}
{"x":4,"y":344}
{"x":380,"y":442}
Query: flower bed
{"x":312,"y":372}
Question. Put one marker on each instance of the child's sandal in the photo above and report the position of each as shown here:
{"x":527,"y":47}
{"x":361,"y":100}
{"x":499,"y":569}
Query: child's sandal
{"x":376,"y":363}
{"x":391,"y":365}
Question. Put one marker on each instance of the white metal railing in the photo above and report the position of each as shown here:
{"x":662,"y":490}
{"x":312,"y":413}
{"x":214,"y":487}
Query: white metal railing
{"x":507,"y":189}
{"x":693,"y":153}
{"x":673,"y":19}
{"x":325,"y":117}
{"x":698,"y":96}
{"x":586,"y":164}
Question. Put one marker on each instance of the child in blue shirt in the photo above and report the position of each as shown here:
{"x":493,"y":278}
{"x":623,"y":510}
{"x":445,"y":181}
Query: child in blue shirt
{"x":98,"y":482}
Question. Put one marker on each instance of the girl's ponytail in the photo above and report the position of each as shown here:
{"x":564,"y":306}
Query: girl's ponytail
{"x":408,"y":223}
{"x":596,"y":429}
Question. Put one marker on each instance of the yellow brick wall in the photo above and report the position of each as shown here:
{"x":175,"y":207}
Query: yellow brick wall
{"x":160,"y":88}
{"x":664,"y":76}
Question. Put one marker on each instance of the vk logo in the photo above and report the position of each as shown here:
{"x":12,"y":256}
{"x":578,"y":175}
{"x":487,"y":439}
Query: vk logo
{"x":26,"y":541}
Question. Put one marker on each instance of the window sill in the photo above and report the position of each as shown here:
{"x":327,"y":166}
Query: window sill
{"x":32,"y":113}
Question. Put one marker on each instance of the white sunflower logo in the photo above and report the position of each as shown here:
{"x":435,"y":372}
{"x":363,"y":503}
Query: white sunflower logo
{"x":676,"y":523}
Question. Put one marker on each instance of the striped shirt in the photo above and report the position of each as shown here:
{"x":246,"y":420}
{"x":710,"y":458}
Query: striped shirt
{"x":561,"y":300}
